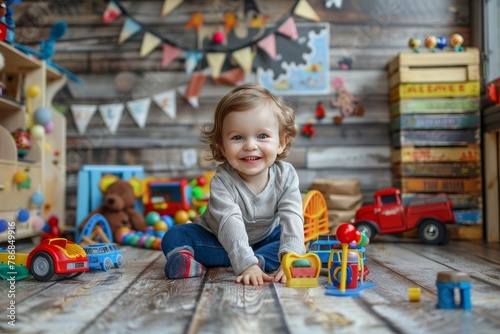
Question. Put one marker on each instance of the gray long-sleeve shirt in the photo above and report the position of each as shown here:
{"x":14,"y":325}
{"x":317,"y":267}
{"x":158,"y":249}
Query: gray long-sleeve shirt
{"x":239,"y":218}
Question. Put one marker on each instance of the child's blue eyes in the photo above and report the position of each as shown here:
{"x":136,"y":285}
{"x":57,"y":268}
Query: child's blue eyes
{"x":261,"y":136}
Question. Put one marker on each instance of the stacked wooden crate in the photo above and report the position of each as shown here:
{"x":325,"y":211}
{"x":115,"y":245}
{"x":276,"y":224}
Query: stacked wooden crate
{"x":435,"y":128}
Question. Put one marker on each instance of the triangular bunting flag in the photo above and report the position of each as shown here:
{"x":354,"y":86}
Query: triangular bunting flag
{"x":130,"y":28}
{"x":268,"y":44}
{"x":195,"y":85}
{"x":215,"y":62}
{"x":82,"y":113}
{"x":170,"y":5}
{"x":192,"y":59}
{"x":149,"y":43}
{"x":139,"y":110}
{"x":331,"y":3}
{"x":305,"y":10}
{"x":244,"y":58}
{"x":111,"y":115}
{"x":193,"y":101}
{"x":169,"y":54}
{"x":289,"y":29}
{"x":166,"y":102}
{"x":232,"y":77}
{"x":111,"y":12}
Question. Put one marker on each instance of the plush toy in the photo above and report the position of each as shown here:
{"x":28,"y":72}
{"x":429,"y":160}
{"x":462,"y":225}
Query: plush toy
{"x":345,"y":101}
{"x":119,"y":197}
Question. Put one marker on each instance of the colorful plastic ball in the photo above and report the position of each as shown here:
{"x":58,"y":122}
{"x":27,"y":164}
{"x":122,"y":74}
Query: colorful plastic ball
{"x":150,"y":230}
{"x":364,"y":240}
{"x":33,"y":91}
{"x":37,"y":131}
{"x":152,"y":217}
{"x":142,"y":241}
{"x":167,"y":219}
{"x":43,"y":115}
{"x":49,"y":127}
{"x":193,"y":183}
{"x":192,"y":214}
{"x":197,"y":192}
{"x":38,"y":223}
{"x":430,"y":42}
{"x":181,"y":217}
{"x":3,"y":225}
{"x":20,"y":176}
{"x":160,"y":234}
{"x":456,"y":40}
{"x":202,"y":209}
{"x":37,"y":198}
{"x":160,"y":226}
{"x":134,"y":240}
{"x":201,"y":181}
{"x":218,"y":37}
{"x":149,"y":242}
{"x":122,"y":230}
{"x":23,"y":215}
{"x":127,"y":238}
{"x":441,"y":42}
{"x":156,"y":244}
{"x":346,"y":233}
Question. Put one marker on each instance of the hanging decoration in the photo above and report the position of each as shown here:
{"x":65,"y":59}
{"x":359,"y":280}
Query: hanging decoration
{"x":139,"y":110}
{"x":111,"y":114}
{"x":166,"y":102}
{"x":82,"y":113}
{"x":212,"y":43}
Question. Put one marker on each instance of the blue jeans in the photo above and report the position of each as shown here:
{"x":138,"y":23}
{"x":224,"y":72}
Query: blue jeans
{"x":209,"y":252}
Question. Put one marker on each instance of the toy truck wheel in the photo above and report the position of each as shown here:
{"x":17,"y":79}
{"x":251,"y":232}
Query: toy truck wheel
{"x":42,"y":266}
{"x":432,"y":232}
{"x":107,"y":264}
{"x":119,"y":261}
{"x":367,"y":229}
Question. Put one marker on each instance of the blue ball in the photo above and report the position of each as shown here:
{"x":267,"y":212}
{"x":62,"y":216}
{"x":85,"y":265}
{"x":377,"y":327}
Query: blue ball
{"x":169,"y":220}
{"x":3,"y":225}
{"x":37,"y":198}
{"x":441,"y":42}
{"x":23,"y":215}
{"x":43,"y":115}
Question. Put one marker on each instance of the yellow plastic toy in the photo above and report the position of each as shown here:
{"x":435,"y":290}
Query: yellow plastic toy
{"x":315,"y":216}
{"x":301,"y":271}
{"x":414,"y":294}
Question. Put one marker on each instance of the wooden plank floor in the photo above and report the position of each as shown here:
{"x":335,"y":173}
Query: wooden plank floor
{"x":138,"y":298}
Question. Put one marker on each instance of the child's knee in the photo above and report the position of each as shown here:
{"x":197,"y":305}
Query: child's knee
{"x":174,"y":237}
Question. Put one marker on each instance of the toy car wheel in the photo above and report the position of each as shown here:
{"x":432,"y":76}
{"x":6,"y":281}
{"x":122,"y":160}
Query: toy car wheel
{"x":432,"y":232}
{"x":119,"y":261}
{"x":107,"y":264}
{"x":42,"y":266}
{"x":367,"y":229}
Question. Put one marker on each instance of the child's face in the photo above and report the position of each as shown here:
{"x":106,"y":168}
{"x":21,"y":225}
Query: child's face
{"x":251,"y":141}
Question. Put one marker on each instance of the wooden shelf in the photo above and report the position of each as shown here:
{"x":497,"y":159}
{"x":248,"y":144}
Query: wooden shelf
{"x":19,"y":62}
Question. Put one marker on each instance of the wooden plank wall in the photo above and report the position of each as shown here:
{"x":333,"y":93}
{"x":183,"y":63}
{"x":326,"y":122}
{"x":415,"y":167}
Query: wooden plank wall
{"x":371,"y":32}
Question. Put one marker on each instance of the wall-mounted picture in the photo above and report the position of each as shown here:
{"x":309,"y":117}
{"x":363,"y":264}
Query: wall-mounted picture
{"x":302,"y":65}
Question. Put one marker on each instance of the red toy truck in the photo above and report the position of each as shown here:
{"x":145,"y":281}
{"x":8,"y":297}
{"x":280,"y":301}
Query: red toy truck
{"x":389,"y":215}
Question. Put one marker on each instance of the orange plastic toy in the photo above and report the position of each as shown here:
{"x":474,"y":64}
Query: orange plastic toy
{"x":315,"y":216}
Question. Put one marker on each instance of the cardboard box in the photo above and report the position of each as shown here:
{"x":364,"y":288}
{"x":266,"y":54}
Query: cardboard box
{"x":337,"y":186}
{"x":344,"y":202}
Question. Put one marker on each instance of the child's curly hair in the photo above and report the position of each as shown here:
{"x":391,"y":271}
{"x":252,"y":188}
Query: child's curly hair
{"x":244,"y":98}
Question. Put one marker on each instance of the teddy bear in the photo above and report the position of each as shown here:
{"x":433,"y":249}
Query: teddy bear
{"x":119,"y":197}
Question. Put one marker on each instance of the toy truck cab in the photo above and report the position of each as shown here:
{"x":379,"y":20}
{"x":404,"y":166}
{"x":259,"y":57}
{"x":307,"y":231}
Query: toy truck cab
{"x":388,"y":215}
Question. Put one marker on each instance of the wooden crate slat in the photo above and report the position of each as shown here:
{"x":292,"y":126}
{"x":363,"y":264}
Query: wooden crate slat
{"x":434,"y":185}
{"x":434,"y":74}
{"x":469,"y":56}
{"x":460,"y":201}
{"x":438,"y":90}
{"x":446,"y":169}
{"x":436,"y":121}
{"x":470,"y":153}
{"x":431,"y":106}
{"x":436,"y":138}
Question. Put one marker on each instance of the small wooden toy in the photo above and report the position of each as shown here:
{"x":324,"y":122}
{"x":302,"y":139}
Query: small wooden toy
{"x":414,"y":44}
{"x":456,"y":41}
{"x":446,"y":283}
{"x":301,"y":271}
{"x":430,"y":43}
{"x":414,"y":294}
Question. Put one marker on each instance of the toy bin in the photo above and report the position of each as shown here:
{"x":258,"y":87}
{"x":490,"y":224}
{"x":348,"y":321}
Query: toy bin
{"x":89,"y":196}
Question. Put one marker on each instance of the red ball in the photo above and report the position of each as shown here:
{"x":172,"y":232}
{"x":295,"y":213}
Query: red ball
{"x":347,"y":233}
{"x":201,"y":181}
{"x":218,"y":37}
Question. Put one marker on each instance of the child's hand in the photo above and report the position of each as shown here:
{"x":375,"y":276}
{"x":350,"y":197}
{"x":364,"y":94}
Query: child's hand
{"x":254,"y":276}
{"x":279,"y":276}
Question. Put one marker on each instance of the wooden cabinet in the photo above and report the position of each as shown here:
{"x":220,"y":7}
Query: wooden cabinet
{"x":44,"y":163}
